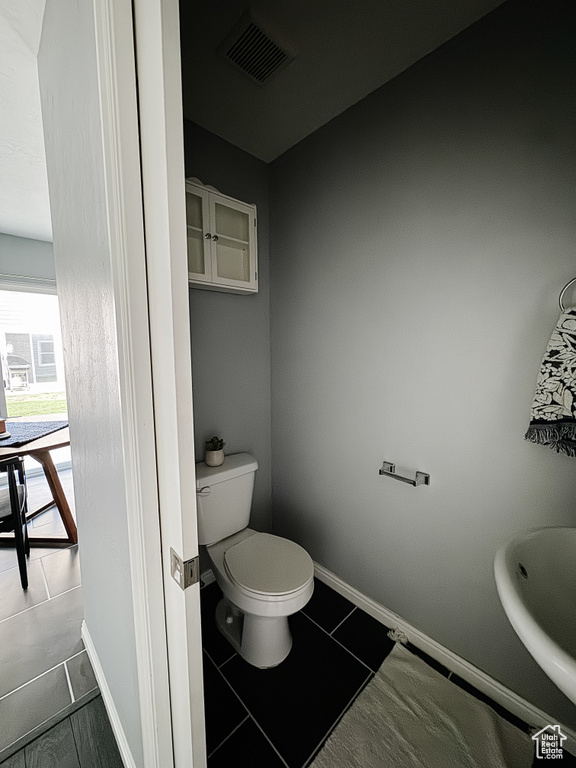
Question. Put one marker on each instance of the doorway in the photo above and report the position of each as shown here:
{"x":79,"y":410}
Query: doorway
{"x":48,"y":672}
{"x":32,"y":363}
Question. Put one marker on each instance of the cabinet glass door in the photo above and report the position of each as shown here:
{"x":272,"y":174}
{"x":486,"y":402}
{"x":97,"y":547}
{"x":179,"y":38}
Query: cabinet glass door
{"x":198,"y":246}
{"x":234,"y":229}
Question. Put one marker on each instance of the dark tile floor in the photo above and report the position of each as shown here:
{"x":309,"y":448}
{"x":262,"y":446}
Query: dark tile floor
{"x":280,"y":718}
{"x":277,"y":718}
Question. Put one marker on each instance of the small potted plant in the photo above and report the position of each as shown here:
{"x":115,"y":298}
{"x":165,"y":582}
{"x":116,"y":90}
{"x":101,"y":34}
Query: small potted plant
{"x":214,"y":455}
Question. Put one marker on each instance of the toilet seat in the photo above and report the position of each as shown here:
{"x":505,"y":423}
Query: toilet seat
{"x":263,"y":564}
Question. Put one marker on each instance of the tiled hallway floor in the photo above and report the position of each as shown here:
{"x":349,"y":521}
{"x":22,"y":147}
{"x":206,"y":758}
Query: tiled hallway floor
{"x":279,"y":718}
{"x":81,"y":739}
{"x":44,"y":668}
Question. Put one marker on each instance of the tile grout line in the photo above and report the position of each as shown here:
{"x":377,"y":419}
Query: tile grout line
{"x":31,"y":607}
{"x":45,"y":579}
{"x":55,"y":719}
{"x":257,"y":724}
{"x":75,"y":739}
{"x":219,"y":666}
{"x":39,"y":725}
{"x":342,"y":646}
{"x":249,"y":713}
{"x":67,"y":673}
{"x":24,"y":610}
{"x":74,"y":655}
{"x":32,"y":680}
{"x":342,"y":622}
{"x":232,"y":732}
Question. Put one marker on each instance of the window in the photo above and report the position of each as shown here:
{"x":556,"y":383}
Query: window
{"x":31,"y":360}
{"x":31,"y":353}
{"x":46,"y":353}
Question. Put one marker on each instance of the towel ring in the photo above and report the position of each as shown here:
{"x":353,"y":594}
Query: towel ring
{"x":563,"y":291}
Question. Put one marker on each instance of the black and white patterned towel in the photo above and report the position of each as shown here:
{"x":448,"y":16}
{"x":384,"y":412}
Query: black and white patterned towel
{"x":553,"y":421}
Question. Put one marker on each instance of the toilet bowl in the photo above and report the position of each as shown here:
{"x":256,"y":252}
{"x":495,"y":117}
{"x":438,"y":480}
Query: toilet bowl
{"x":264,"y":578}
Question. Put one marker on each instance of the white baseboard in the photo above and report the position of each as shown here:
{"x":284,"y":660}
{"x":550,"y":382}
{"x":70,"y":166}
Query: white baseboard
{"x":503,"y":696}
{"x":117,"y":729}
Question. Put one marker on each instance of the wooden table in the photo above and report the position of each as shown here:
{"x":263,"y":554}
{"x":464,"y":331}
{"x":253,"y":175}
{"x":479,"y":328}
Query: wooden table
{"x":40,"y":450}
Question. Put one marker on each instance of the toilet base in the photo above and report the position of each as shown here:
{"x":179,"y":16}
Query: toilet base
{"x":263,"y":641}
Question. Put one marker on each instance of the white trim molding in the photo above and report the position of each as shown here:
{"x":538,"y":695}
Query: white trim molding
{"x":118,"y":731}
{"x":501,"y":695}
{"x":120,"y":131}
{"x":27,"y":284}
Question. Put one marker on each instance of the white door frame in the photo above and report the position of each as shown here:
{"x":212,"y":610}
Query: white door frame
{"x":119,"y":113}
{"x":157,"y":37}
{"x":170,"y":646}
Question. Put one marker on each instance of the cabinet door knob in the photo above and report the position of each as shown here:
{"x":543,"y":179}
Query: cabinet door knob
{"x":207,"y":236}
{"x":214,"y":237}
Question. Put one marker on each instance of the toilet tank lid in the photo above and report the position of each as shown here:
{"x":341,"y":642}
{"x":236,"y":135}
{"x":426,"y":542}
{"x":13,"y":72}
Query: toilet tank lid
{"x":235,"y":464}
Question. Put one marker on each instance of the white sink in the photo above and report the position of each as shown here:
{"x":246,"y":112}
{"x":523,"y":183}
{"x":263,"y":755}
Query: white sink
{"x":536,"y":580}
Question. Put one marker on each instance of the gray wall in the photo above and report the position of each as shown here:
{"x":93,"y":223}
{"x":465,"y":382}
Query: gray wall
{"x":230,"y":332}
{"x":419,"y":244}
{"x":25,"y":257}
{"x":74,"y":155}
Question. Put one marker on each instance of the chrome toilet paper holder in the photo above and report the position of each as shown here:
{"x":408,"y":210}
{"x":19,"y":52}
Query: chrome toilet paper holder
{"x":389,"y":469}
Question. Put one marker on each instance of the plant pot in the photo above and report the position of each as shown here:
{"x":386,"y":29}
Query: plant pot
{"x":214,"y":458}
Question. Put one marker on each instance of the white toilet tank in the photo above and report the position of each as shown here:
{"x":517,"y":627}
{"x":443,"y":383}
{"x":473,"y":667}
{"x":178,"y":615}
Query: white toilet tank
{"x":224,"y":496}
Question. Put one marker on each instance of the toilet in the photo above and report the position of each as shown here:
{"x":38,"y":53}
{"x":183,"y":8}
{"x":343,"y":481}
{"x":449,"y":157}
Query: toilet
{"x":264,"y":578}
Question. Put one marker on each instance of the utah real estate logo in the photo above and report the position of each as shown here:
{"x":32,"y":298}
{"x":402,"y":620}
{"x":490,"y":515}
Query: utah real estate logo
{"x":549,"y":742}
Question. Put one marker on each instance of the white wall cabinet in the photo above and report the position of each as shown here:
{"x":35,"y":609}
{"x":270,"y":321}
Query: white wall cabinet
{"x":222,"y":252}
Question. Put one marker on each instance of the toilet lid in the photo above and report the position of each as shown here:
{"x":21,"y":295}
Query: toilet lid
{"x":269,"y":564}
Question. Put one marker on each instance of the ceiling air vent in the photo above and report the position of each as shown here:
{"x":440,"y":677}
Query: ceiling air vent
{"x":253,"y":51}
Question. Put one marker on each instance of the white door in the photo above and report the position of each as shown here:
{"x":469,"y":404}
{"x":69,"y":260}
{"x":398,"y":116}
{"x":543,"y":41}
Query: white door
{"x":161,"y":141}
{"x":126,"y":304}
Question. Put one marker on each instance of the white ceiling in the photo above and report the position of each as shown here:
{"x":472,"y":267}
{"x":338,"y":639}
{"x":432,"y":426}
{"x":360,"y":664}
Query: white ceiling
{"x":344,"y":50}
{"x":24,"y":206}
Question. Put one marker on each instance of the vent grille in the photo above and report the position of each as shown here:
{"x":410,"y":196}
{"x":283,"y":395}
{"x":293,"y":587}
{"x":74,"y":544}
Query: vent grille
{"x":254,"y":52}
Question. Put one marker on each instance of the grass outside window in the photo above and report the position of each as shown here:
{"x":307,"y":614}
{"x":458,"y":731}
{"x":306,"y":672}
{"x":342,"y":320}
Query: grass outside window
{"x":40,"y":404}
